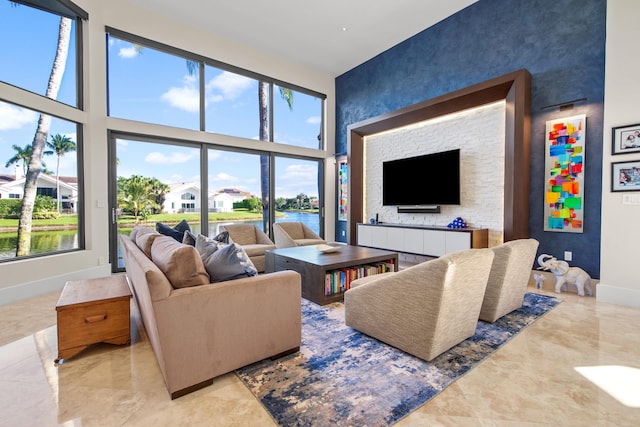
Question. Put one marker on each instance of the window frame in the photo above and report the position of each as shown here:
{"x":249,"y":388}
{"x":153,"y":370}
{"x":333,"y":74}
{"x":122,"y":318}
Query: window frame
{"x":41,"y":104}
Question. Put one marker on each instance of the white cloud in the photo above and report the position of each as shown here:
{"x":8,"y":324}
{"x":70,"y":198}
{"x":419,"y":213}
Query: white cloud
{"x":176,"y":177}
{"x":128,"y":52}
{"x":185,"y":98}
{"x":12,"y":117}
{"x":214,"y":155}
{"x":227,"y":86}
{"x":164,"y":159}
{"x":314,"y":120}
{"x":224,"y":177}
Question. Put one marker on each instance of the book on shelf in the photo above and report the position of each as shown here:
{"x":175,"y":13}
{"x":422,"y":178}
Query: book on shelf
{"x":339,"y":281}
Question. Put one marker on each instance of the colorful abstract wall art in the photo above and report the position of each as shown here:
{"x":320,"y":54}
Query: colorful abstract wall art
{"x":564,"y":174}
{"x":343,"y":189}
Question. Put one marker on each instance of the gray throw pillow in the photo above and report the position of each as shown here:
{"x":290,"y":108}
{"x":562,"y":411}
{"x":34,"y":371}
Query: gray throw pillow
{"x":189,"y":238}
{"x":224,"y":261}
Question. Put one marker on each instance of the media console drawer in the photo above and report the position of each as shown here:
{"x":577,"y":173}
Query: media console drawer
{"x":421,"y":240}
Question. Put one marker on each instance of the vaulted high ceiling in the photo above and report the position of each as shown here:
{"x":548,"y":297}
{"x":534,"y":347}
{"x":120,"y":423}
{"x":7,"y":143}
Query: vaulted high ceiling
{"x":331,"y":36}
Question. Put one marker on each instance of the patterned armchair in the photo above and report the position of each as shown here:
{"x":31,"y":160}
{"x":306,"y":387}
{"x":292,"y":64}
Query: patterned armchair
{"x":509,"y":278}
{"x":423,"y":310}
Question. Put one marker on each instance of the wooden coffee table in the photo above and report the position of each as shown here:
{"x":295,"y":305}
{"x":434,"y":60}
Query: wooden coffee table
{"x":317,"y":267}
{"x":92,"y":311}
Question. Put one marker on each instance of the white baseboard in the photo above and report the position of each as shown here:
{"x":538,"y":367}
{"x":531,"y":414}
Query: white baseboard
{"x":620,"y":296}
{"x":36,"y":288}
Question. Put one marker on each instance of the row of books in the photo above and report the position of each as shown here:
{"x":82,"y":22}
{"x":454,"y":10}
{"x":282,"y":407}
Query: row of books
{"x":337,"y":281}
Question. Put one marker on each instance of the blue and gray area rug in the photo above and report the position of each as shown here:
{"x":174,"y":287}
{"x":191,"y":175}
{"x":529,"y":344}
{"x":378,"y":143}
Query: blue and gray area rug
{"x":341,"y":377}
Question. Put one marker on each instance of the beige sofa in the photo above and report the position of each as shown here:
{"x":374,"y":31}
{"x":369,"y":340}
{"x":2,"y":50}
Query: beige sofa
{"x":203,"y":330}
{"x":423,"y":310}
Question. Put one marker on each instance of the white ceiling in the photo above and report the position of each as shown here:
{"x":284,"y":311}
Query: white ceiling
{"x":331,"y":36}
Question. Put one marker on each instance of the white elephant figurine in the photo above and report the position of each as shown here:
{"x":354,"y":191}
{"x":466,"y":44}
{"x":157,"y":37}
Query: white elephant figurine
{"x":565,"y":274}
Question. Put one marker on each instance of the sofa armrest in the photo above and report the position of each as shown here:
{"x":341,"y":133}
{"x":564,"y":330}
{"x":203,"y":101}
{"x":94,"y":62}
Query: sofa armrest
{"x":209,"y":330}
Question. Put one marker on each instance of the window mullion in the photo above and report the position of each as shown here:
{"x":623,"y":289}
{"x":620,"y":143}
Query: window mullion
{"x":202,"y":97}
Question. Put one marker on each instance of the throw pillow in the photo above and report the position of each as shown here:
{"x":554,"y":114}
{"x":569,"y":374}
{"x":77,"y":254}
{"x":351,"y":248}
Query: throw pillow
{"x":177,"y":231}
{"x":144,"y":240}
{"x":180,"y":263}
{"x":224,"y":261}
{"x":189,"y":238}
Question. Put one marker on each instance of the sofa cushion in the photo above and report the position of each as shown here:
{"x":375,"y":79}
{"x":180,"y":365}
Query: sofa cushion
{"x":224,"y":261}
{"x":177,"y":231}
{"x":145,"y":238}
{"x":180,"y":263}
{"x":135,"y":231}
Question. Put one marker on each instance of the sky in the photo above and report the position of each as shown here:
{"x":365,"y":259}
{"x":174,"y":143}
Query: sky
{"x":148,"y":85}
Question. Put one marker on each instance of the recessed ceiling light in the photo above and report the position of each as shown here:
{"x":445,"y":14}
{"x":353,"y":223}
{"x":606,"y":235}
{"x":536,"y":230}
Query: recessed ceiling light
{"x":344,"y":29}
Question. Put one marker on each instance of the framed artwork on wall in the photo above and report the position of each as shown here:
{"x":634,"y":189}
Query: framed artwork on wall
{"x":625,"y":176}
{"x":343,"y":189}
{"x":625,"y":139}
{"x":564,"y":174}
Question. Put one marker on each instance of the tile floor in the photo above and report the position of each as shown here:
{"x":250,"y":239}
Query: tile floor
{"x":532,"y":381}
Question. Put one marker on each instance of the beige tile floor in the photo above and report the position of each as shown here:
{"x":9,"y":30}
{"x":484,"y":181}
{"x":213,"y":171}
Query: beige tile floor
{"x":532,"y":381}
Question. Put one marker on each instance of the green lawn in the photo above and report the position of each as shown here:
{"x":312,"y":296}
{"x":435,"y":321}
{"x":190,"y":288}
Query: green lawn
{"x":127,"y":221}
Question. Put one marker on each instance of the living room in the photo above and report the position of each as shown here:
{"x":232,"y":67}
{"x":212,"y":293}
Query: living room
{"x":603,"y":248}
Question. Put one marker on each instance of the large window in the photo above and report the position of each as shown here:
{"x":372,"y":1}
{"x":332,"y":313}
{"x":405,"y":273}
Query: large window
{"x":235,"y":189}
{"x":297,"y":118}
{"x":231,"y":103}
{"x":28,"y":49}
{"x":155,"y":83}
{"x":40,"y":147}
{"x":149,"y":85}
{"x":298,"y":187}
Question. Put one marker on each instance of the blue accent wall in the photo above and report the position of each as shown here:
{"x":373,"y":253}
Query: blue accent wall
{"x":560,"y":42}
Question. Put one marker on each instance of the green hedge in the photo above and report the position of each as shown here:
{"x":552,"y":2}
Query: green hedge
{"x":44,"y":208}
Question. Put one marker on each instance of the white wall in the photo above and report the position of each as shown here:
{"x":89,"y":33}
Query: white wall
{"x":619,"y":253}
{"x":25,"y":278}
{"x":479,"y":133}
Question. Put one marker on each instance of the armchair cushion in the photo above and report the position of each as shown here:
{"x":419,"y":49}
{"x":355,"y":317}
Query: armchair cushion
{"x":290,"y":234}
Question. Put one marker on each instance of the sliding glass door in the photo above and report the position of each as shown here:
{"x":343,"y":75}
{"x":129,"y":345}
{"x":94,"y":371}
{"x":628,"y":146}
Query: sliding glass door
{"x":298,"y":190}
{"x":152,"y":182}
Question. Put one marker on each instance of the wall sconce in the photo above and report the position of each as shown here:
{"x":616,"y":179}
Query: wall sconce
{"x":568,"y":105}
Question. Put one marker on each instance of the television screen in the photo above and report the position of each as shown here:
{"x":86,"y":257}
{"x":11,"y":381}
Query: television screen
{"x":431,"y":179}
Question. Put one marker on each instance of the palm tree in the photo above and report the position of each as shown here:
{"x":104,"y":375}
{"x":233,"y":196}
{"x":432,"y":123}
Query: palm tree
{"x":39,"y":140}
{"x":140,"y":195}
{"x":23,"y":155}
{"x":263,"y":96}
{"x":60,"y":145}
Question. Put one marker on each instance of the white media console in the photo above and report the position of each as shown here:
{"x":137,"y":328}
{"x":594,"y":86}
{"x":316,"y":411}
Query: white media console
{"x":420,"y":239}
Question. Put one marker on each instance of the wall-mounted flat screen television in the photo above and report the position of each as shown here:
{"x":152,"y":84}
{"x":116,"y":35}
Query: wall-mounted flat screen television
{"x":431,"y":179}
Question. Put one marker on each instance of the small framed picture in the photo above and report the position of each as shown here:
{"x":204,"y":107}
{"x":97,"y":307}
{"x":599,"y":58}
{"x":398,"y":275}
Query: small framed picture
{"x":625,"y":176}
{"x":625,"y":139}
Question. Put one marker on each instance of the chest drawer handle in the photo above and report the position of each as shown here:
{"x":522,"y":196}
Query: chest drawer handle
{"x":97,"y":318}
